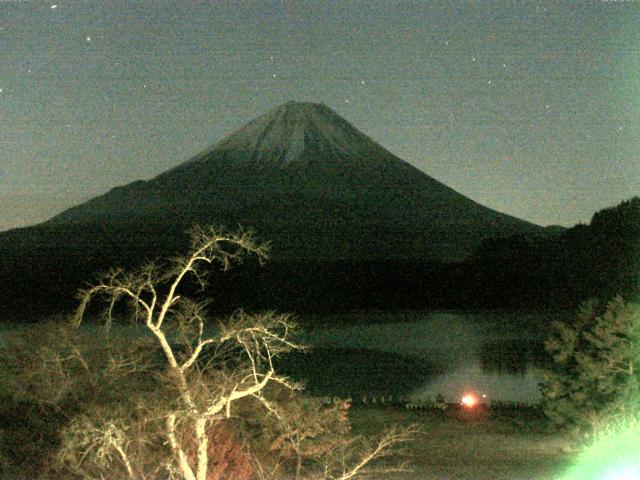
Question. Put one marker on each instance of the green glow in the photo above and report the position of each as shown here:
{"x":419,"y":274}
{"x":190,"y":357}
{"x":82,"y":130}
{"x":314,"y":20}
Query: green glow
{"x":614,"y":457}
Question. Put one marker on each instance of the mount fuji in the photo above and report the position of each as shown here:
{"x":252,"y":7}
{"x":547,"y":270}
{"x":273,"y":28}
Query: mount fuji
{"x":301,"y":176}
{"x":309,"y":182}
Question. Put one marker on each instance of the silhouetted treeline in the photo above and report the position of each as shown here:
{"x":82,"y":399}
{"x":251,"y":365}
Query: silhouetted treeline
{"x":601,"y":259}
{"x":42,"y":268}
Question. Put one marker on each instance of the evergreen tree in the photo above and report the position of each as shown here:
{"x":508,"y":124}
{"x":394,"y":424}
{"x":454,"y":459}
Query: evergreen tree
{"x":596,"y":361}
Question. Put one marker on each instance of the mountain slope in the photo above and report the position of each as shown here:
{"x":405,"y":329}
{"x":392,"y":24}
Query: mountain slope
{"x":312,"y":184}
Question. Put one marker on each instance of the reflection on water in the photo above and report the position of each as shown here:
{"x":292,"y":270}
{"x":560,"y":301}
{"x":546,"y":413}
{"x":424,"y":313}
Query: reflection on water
{"x":491,"y":353}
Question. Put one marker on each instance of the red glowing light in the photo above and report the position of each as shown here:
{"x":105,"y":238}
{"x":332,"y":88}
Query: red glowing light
{"x":469,"y":400}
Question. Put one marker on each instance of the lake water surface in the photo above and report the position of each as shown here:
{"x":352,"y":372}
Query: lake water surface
{"x":493,"y":354}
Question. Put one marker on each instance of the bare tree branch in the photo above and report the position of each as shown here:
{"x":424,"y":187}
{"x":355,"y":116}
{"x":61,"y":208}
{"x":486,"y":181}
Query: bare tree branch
{"x":260,"y":337}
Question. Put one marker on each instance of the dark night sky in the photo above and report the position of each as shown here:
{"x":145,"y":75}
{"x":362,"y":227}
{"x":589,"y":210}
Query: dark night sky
{"x":530,"y":108}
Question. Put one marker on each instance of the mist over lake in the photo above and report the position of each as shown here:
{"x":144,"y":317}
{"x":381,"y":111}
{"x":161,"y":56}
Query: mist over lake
{"x":493,"y":353}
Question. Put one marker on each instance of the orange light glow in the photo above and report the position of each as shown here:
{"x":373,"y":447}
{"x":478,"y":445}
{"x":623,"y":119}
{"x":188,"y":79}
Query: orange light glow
{"x":469,"y":400}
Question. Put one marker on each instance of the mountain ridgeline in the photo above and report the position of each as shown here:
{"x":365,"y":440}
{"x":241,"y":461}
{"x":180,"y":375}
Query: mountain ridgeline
{"x":350,"y":226}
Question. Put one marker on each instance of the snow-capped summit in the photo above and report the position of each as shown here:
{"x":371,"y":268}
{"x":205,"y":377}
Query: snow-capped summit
{"x":295,"y":132}
{"x":280,"y":134}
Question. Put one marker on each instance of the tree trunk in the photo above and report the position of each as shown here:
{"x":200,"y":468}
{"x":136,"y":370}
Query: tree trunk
{"x":203,"y":445}
{"x":178,"y":453}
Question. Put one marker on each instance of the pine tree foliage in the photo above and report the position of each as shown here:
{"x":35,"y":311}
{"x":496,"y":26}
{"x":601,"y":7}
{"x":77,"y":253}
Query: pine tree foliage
{"x":596,"y":362}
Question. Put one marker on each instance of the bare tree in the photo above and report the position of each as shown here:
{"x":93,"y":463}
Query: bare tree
{"x":205,"y":398}
{"x":313,"y":438}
